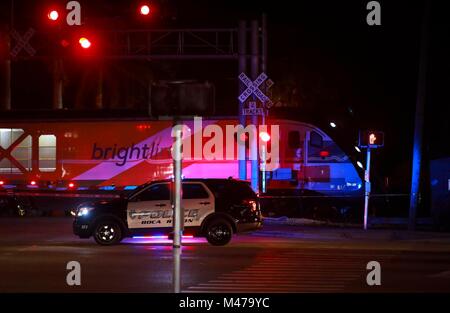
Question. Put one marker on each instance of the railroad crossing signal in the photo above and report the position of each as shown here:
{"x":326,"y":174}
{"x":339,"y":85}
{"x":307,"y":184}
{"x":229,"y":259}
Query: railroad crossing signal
{"x":253,"y":88}
{"x":252,"y":109}
{"x":23,"y":42}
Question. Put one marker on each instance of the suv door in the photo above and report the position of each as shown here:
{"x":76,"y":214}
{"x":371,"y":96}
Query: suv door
{"x":198,"y":202}
{"x":150,"y":208}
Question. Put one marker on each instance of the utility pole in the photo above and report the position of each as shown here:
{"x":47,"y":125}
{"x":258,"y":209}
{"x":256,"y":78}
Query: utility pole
{"x":419,"y":120}
{"x":242,"y":68}
{"x":6,"y":69}
{"x":254,"y":69}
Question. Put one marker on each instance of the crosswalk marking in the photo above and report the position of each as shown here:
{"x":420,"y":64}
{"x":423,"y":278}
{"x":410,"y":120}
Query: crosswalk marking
{"x":292,"y":272}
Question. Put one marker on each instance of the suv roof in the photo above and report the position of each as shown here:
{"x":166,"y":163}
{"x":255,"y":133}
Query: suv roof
{"x":212,"y":183}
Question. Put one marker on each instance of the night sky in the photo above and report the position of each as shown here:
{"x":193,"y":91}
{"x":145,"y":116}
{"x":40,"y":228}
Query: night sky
{"x":322,"y":57}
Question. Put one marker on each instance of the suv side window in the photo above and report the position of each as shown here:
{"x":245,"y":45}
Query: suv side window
{"x":156,"y":192}
{"x":231,"y":190}
{"x":315,"y":140}
{"x":194,"y":191}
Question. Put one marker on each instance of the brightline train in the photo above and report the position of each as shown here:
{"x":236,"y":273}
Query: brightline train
{"x":122,"y":153}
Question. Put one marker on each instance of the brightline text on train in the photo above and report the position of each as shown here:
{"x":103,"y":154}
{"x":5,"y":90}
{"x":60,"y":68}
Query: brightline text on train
{"x":204,"y":143}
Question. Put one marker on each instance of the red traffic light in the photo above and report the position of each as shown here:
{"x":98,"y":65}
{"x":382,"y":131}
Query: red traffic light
{"x":84,"y":42}
{"x":53,"y":15}
{"x":144,"y":9}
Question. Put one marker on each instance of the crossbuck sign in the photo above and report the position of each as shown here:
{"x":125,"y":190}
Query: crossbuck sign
{"x":23,"y":42}
{"x":253,"y":88}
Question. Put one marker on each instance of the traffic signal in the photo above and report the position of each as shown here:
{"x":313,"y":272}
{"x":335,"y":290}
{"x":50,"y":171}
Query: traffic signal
{"x":144,"y":9}
{"x":371,"y":139}
{"x":53,"y":15}
{"x":84,"y":42}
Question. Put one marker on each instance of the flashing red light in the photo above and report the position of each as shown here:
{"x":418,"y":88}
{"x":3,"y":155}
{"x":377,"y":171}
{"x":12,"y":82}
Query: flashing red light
{"x":84,"y":42}
{"x":2,"y":182}
{"x":264,"y":136}
{"x":53,"y":15}
{"x":144,"y":9}
{"x":71,"y":185}
{"x":324,"y":153}
{"x":33,"y":183}
{"x":65,"y":43}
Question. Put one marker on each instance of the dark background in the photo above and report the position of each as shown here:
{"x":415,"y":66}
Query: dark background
{"x":326,"y":62}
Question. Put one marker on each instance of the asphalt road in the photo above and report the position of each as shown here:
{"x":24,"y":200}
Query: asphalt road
{"x":34,"y":253}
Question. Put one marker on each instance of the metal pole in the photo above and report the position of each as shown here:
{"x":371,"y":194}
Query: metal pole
{"x":263,"y":118}
{"x":178,"y":214}
{"x":99,"y":95}
{"x":177,"y":270}
{"x":5,"y":103}
{"x":57,"y":84}
{"x":242,"y":68}
{"x":254,"y":74}
{"x":263,"y":167}
{"x":419,"y":121}
{"x":367,"y":188}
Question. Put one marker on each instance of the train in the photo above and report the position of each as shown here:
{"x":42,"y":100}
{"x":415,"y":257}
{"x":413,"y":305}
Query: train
{"x":78,"y":156}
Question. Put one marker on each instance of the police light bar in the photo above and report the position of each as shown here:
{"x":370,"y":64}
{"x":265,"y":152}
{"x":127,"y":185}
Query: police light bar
{"x":371,"y":139}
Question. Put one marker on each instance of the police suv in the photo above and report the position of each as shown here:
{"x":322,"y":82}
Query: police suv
{"x":213,"y":208}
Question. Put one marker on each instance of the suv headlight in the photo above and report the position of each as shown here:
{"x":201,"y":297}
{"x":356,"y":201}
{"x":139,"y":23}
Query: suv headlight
{"x":84,"y":211}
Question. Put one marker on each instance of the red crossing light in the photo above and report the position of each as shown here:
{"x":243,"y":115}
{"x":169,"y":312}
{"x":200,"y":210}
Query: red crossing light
{"x":84,"y":42}
{"x":53,"y":15}
{"x":144,"y":9}
{"x":71,"y":185}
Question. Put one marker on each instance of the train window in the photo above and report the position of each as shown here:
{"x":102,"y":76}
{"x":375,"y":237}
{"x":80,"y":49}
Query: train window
{"x":47,"y":153}
{"x":19,"y":160}
{"x":315,"y":140}
{"x":8,"y":136}
{"x":22,"y":153}
{"x":294,"y":140}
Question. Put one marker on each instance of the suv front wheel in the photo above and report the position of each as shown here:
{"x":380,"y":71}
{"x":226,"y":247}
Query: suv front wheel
{"x":107,"y":233}
{"x":219,"y":232}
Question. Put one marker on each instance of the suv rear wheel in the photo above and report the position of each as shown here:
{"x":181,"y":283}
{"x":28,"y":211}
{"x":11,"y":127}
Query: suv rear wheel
{"x":219,"y":232}
{"x":107,"y":233}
